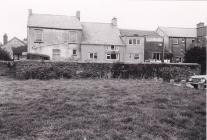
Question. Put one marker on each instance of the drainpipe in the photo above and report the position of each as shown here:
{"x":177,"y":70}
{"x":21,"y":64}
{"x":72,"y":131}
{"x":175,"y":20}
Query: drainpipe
{"x":163,"y":51}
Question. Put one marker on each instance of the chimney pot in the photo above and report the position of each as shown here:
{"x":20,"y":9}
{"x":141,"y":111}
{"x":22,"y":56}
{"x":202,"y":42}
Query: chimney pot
{"x":78,"y":15}
{"x":201,"y":24}
{"x":114,"y":21}
{"x":5,"y":39}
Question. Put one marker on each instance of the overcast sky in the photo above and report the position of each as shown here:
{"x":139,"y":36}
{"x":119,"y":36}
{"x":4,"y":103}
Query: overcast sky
{"x":132,"y":14}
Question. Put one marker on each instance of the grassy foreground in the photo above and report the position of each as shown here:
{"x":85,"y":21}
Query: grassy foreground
{"x":100,"y":110}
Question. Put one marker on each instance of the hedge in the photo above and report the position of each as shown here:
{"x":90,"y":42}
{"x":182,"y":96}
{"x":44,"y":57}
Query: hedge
{"x":57,"y":70}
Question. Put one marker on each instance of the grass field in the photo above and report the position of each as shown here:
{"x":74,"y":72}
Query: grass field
{"x":100,"y":110}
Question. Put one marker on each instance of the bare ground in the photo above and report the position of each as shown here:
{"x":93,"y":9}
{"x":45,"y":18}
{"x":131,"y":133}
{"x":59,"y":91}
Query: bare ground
{"x":100,"y":110}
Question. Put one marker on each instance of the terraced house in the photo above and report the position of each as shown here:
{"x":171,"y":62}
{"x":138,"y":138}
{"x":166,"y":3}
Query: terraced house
{"x":66,"y":38}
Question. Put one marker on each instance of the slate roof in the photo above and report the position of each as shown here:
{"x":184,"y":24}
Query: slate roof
{"x":54,"y":21}
{"x":132,"y":32}
{"x":178,"y":32}
{"x":100,"y":33}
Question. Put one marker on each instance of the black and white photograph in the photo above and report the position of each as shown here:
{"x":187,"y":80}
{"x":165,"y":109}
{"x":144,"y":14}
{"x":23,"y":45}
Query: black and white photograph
{"x":103,"y":69}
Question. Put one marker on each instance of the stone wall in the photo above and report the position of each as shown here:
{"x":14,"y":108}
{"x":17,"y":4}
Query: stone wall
{"x":56,"y":70}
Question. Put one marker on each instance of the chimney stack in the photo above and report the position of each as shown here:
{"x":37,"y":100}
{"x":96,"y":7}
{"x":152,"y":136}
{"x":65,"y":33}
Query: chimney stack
{"x":114,"y":21}
{"x":78,"y":15}
{"x":200,"y":25}
{"x":30,"y":12}
{"x":5,"y":39}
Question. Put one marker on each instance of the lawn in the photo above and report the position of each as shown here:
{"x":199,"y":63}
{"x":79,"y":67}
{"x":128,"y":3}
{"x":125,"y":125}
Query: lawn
{"x":100,"y":110}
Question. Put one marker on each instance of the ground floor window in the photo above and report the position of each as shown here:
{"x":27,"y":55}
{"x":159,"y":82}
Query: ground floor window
{"x":93,"y":55}
{"x":156,"y":56}
{"x":56,"y":54}
{"x":74,"y":52}
{"x":113,"y":56}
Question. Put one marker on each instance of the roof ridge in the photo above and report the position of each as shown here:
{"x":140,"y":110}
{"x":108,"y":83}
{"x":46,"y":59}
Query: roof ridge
{"x":177,"y":27}
{"x":137,"y":30}
{"x":52,"y":15}
{"x":95,"y":22}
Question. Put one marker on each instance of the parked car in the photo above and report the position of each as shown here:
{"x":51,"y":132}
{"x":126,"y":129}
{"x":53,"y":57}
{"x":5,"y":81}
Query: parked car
{"x":198,"y":81}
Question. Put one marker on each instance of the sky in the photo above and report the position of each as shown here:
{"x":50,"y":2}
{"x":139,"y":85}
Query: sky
{"x":131,"y":14}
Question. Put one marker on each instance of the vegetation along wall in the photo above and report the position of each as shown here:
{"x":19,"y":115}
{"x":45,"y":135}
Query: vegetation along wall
{"x":56,"y":70}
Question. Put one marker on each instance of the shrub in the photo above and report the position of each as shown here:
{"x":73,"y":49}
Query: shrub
{"x":197,"y":55}
{"x":4,"y":55}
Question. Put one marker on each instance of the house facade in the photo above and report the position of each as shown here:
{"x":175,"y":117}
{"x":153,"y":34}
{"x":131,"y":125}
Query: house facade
{"x":65,"y":38}
{"x":57,"y":36}
{"x":177,"y":40}
{"x":15,"y":47}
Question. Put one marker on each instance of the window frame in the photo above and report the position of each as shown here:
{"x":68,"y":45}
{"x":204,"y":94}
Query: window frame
{"x":93,"y":55}
{"x":38,"y":33}
{"x":173,"y":41}
{"x":157,"y":54}
{"x":56,"y":54}
{"x":71,"y":39}
{"x":75,"y":54}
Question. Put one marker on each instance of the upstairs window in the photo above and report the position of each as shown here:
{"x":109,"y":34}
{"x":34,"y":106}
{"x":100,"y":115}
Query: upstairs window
{"x":138,"y":41}
{"x":72,"y":36}
{"x":112,"y":47}
{"x":175,"y":41}
{"x":38,"y":35}
{"x":130,"y":41}
{"x":134,"y":41}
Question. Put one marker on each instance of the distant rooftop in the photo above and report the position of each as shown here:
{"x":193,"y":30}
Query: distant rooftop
{"x":132,"y":32}
{"x":178,"y":31}
{"x":54,"y":21}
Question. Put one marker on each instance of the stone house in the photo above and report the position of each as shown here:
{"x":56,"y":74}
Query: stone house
{"x":15,"y":47}
{"x":66,"y":38}
{"x":177,"y":40}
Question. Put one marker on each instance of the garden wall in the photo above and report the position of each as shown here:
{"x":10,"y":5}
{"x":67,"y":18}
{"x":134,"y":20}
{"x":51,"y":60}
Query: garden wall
{"x":56,"y":70}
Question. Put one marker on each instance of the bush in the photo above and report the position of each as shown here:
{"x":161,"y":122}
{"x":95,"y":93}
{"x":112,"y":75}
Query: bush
{"x":197,"y":55}
{"x":4,"y":55}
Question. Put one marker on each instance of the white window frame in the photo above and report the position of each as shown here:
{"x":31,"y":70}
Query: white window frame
{"x":136,"y":57}
{"x":131,"y":41}
{"x":94,"y":55}
{"x":138,"y":41}
{"x":109,"y":55}
{"x":134,"y":41}
{"x":156,"y":55}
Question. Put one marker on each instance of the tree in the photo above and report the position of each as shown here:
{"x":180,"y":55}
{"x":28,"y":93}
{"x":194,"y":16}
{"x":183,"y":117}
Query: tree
{"x":197,"y":55}
{"x":4,"y":55}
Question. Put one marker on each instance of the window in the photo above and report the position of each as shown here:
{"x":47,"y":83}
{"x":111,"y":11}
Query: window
{"x":38,"y":35}
{"x":134,"y":41}
{"x":112,"y":47}
{"x":175,"y":41}
{"x":183,"y":40}
{"x":93,"y":55}
{"x":56,"y":54}
{"x":156,"y":56}
{"x":130,"y":41}
{"x":136,"y":56}
{"x":112,"y":56}
{"x":72,"y":36}
{"x":138,"y":41}
{"x":74,"y":52}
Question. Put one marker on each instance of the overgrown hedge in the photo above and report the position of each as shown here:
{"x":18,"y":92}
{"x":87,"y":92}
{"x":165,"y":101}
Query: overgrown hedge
{"x":56,"y":70}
